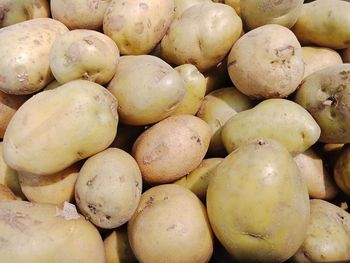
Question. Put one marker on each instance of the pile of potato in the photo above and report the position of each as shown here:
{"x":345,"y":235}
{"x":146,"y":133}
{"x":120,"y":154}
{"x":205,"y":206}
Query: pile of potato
{"x":174,"y":131}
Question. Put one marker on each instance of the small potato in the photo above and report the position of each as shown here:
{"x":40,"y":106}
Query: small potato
{"x":108,"y":188}
{"x":6,"y":193}
{"x":83,"y":54}
{"x":266,"y":62}
{"x":83,"y":14}
{"x":201,"y":36}
{"x":342,"y":170}
{"x":170,"y":225}
{"x":171,"y":148}
{"x":137,"y":26}
{"x":60,"y":127}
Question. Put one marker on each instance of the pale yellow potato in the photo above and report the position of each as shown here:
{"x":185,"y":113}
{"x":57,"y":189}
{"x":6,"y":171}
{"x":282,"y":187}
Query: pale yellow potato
{"x":324,"y":23}
{"x":258,"y":204}
{"x":328,"y":235}
{"x":24,"y":52}
{"x":317,"y":58}
{"x":15,"y":11}
{"x":266,"y":62}
{"x":182,"y":5}
{"x":56,"y":128}
{"x":109,"y":188}
{"x":54,"y":189}
{"x":202,"y":36}
{"x":6,"y":193}
{"x":41,"y":233}
{"x":147,"y":89}
{"x":319,"y":182}
{"x":216,"y":109}
{"x":170,"y":225}
{"x":236,"y":4}
{"x":80,"y":14}
{"x":342,"y":170}
{"x":195,"y":89}
{"x":278,"y":119}
{"x":137,"y":26}
{"x":84,"y":54}
{"x":171,"y":148}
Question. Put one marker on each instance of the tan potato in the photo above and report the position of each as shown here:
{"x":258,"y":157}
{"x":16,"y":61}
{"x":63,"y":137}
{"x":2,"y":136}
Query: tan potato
{"x":266,"y":62}
{"x":155,"y":95}
{"x":84,"y":54}
{"x":60,"y":127}
{"x":137,"y":26}
{"x":342,"y":170}
{"x":171,"y":148}
{"x":108,"y":188}
{"x":202,"y":36}
{"x":182,"y":5}
{"x":15,"y":11}
{"x":170,"y":225}
{"x":6,"y":193}
{"x":24,"y":48}
{"x":84,"y":14}
{"x":41,"y":233}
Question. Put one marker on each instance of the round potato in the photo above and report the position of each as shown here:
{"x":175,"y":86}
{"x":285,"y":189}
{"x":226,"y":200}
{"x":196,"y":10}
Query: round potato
{"x":342,"y":170}
{"x":266,"y":62}
{"x":108,"y":188}
{"x":170,"y":225}
{"x":171,"y":148}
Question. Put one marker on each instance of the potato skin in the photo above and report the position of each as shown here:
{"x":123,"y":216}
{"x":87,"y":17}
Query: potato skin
{"x":62,"y":126}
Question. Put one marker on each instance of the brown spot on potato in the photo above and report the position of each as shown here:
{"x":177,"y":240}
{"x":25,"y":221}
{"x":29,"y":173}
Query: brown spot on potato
{"x":116,"y":23}
{"x":91,"y":181}
{"x":80,"y":155}
{"x":156,"y":154}
{"x":160,"y":26}
{"x":232,"y":63}
{"x":143,"y":6}
{"x":92,"y":208}
{"x":173,"y":226}
{"x":36,"y":42}
{"x":139,"y":27}
{"x":257,"y":236}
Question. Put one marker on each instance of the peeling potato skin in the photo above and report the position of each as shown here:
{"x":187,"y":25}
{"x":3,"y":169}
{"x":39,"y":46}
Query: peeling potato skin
{"x":342,"y":170}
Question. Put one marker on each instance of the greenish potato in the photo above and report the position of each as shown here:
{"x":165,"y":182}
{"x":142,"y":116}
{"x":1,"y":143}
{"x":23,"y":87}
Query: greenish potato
{"x":342,"y":170}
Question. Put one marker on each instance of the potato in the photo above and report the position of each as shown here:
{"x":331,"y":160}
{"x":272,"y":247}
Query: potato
{"x":258,"y":204}
{"x":15,"y":11}
{"x":342,"y":170}
{"x":317,"y":58}
{"x":278,"y":119}
{"x":170,"y":225}
{"x":216,"y":109}
{"x":41,"y":233}
{"x":155,"y":95}
{"x":83,"y":54}
{"x":60,"y":127}
{"x":6,"y":193}
{"x":324,"y":23}
{"x":171,"y":148}
{"x":137,"y":26}
{"x":182,"y":5}
{"x":266,"y":62}
{"x":24,"y":48}
{"x":328,"y":235}
{"x":54,"y":189}
{"x":201,"y":36}
{"x":325,"y":94}
{"x":84,"y":14}
{"x":236,"y":4}
{"x":318,"y":181}
{"x":108,"y":188}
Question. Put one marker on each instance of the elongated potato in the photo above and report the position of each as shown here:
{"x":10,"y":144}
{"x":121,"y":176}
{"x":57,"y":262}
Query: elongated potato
{"x":59,"y":127}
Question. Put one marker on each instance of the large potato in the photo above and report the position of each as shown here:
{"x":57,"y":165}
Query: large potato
{"x":258,"y":204}
{"x":202,"y":35}
{"x":41,"y":233}
{"x":170,"y":225}
{"x":137,"y":26}
{"x":266,"y":62}
{"x":83,"y":54}
{"x":147,"y":88}
{"x":58,"y":127}
{"x":24,"y":51}
{"x":342,"y":170}
{"x":171,"y":148}
{"x":278,"y":119}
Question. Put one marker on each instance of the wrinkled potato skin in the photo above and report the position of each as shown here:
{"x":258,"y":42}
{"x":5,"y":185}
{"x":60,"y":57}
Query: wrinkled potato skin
{"x":266,"y":62}
{"x":171,"y":148}
{"x":328,"y":235}
{"x":182,"y":5}
{"x":16,"y":11}
{"x":83,"y":54}
{"x":173,"y":220}
{"x":24,"y":64}
{"x":34,"y":233}
{"x":326,"y":95}
{"x":63,"y":126}
{"x":324,"y":23}
{"x":278,"y":119}
{"x":260,"y":172}
{"x":137,"y":26}
{"x":342,"y":170}
{"x":83,"y":14}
